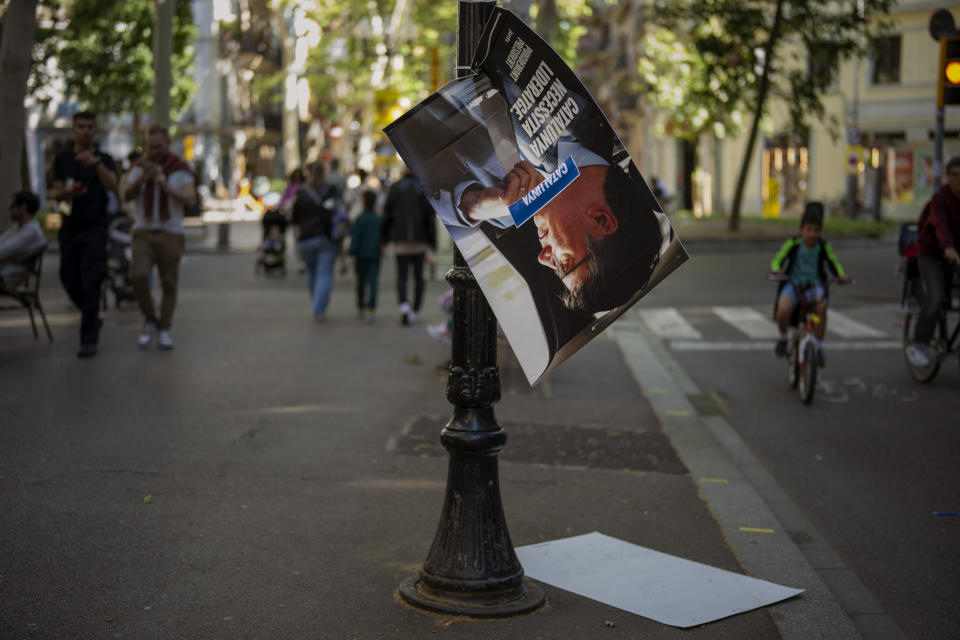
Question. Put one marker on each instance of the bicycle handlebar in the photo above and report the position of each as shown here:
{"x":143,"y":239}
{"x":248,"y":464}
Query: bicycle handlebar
{"x":780,"y":277}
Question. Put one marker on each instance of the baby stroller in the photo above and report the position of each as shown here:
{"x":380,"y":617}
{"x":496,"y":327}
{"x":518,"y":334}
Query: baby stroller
{"x":272,"y":253}
{"x":119,"y":256}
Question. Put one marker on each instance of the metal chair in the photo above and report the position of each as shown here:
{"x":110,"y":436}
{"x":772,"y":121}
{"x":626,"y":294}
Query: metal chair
{"x":27,"y":295}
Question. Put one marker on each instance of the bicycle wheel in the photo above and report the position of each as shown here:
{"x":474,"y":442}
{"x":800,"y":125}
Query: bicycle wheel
{"x":808,"y":372}
{"x":793,"y":364}
{"x":922,"y":374}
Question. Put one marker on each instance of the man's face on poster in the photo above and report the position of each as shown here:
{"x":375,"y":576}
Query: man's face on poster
{"x":569,"y":226}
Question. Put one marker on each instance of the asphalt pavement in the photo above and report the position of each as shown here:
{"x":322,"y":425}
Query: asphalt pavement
{"x":277,"y":478}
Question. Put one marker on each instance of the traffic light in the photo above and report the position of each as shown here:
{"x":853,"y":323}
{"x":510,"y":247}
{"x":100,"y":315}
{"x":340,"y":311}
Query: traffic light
{"x":948,"y":83}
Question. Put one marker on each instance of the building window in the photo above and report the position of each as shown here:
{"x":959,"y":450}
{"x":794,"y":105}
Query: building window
{"x":886,"y":62}
{"x":821,"y":71}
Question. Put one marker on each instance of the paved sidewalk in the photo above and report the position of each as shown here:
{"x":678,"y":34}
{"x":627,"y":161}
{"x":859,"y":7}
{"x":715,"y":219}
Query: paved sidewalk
{"x":709,"y":234}
{"x":276,"y":478}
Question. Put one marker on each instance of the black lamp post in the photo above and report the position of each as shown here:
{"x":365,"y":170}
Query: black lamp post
{"x":471,"y":568}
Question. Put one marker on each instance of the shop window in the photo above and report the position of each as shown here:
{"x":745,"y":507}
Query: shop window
{"x":886,"y":62}
{"x":785,"y":176}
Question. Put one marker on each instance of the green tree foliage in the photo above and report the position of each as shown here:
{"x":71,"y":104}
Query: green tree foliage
{"x":783,"y":49}
{"x":360,"y":44}
{"x":104,"y":54}
{"x":698,"y":88}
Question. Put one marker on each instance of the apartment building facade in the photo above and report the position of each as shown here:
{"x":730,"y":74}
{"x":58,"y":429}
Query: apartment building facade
{"x":885,"y":107}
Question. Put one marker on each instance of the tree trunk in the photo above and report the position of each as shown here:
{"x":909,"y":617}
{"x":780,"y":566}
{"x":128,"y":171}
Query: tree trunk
{"x":688,"y":165}
{"x":762,"y":92}
{"x":24,"y":166}
{"x":19,"y":26}
{"x":547,"y":21}
{"x":522,"y":9}
{"x":291,"y":101}
{"x":717,"y":177}
{"x":162,"y":54}
{"x":138,"y":142}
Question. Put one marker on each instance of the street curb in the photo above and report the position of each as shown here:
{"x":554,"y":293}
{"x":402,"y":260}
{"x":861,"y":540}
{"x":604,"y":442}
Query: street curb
{"x":741,"y":493}
{"x":696,"y":243}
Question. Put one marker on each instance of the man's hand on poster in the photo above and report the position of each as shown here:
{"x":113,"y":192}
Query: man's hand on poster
{"x":485,"y":203}
{"x":521,"y":179}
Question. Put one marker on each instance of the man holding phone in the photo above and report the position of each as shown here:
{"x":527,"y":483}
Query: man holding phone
{"x":161,"y":185}
{"x":82,"y":175}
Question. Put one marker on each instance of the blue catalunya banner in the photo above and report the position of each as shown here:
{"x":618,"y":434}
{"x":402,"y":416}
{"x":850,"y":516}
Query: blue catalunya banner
{"x":528,"y":206}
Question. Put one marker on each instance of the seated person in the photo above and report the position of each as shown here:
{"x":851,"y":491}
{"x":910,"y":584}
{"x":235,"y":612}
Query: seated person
{"x":805,"y":259}
{"x":938,"y":233}
{"x":22,"y":240}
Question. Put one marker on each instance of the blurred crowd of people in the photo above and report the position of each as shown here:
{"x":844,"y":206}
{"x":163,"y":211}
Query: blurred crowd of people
{"x":122,"y":228}
{"x":338,"y":220}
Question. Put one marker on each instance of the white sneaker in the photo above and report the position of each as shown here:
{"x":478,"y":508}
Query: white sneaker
{"x":164,"y":341}
{"x":917,"y":355}
{"x":146,"y":336}
{"x":413,"y":316}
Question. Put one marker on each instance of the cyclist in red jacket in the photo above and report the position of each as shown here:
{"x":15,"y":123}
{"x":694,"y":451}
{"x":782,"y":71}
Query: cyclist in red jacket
{"x":938,"y":235}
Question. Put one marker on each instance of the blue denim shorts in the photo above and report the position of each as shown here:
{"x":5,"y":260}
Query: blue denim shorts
{"x":813,"y":294}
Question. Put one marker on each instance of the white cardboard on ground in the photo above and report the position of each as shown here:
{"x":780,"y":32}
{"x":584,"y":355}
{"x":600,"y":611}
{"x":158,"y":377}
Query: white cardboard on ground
{"x":665,"y":588}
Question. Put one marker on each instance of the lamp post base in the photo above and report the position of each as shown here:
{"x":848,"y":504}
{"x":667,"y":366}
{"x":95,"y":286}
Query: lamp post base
{"x":523,"y":598}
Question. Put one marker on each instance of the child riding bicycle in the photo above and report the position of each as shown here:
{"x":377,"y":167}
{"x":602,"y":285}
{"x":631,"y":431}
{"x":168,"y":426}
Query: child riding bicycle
{"x":938,"y":235}
{"x":805,"y":259}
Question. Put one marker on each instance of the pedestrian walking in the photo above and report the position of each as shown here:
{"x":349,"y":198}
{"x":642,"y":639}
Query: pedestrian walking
{"x":408,"y":222}
{"x":338,"y":181}
{"x":161,"y":186}
{"x":366,"y":251}
{"x":82,"y":175}
{"x":295,"y":182}
{"x":334,"y":178}
{"x":316,"y":212}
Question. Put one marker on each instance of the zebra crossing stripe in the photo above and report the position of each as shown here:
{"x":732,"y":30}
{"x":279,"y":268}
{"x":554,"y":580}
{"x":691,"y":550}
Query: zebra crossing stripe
{"x":847,"y":327}
{"x":669,"y":324}
{"x":763,"y":345}
{"x":748,"y":321}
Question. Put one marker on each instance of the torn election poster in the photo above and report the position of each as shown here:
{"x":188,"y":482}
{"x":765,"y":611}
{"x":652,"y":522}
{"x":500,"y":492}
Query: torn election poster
{"x":552,"y":216}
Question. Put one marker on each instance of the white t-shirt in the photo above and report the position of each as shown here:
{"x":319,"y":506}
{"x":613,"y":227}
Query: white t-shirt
{"x":174,"y":224}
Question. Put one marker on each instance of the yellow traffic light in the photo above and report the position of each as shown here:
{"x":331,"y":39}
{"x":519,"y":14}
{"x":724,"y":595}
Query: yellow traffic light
{"x":948,"y":83}
{"x":952,"y":72}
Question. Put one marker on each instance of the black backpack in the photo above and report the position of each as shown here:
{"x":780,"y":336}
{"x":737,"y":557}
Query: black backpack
{"x":326,"y":201}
